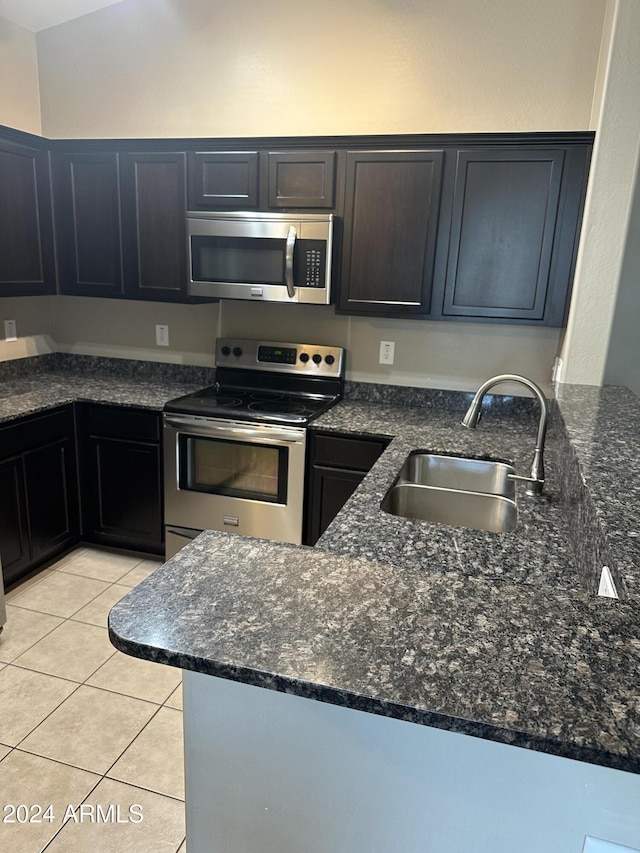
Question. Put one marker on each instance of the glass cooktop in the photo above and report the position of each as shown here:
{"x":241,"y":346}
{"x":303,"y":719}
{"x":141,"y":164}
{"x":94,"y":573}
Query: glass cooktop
{"x":243,"y":404}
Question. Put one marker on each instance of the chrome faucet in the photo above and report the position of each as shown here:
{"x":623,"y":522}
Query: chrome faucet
{"x":535,"y":480}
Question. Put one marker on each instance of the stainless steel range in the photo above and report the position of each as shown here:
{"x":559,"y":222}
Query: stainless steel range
{"x":234,"y":453}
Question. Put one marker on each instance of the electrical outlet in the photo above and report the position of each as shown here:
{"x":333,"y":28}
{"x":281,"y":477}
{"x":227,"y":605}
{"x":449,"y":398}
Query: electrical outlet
{"x":162,"y":336}
{"x":387,"y":352}
{"x":556,"y":372}
{"x":10,"y":333}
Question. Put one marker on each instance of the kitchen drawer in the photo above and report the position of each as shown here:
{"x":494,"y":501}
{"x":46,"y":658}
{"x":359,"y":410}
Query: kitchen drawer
{"x":119,"y":422}
{"x":357,"y":454}
{"x":34,"y":431}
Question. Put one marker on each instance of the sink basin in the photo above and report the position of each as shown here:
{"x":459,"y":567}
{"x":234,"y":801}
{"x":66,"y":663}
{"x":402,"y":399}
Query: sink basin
{"x":474,"y":493}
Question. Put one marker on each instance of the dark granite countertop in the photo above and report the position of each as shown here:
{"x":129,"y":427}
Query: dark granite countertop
{"x":497,"y":636}
{"x":37,"y":384}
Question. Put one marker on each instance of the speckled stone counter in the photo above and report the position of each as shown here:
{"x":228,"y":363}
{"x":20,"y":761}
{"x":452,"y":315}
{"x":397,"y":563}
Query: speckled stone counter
{"x":34,"y":385}
{"x":497,"y":636}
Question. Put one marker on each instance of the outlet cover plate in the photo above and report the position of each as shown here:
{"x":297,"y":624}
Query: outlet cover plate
{"x":387,"y":352}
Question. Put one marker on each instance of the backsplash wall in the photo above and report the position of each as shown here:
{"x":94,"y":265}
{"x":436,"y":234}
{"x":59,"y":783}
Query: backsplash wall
{"x":458,"y":356}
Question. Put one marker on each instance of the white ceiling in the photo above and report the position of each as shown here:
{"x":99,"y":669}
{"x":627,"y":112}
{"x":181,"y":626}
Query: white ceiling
{"x":37,"y":15}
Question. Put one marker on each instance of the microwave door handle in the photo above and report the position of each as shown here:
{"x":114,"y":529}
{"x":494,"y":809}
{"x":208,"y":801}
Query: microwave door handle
{"x":288,"y":261}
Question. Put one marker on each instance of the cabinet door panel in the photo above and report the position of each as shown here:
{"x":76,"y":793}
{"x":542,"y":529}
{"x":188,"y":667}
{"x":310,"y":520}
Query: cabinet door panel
{"x":223,"y":179}
{"x":331,"y":489}
{"x":301,"y":179}
{"x":14,"y":530}
{"x":502,"y":233}
{"x":337,"y":464}
{"x":153,"y":225}
{"x":26,"y":225}
{"x":125,"y":493}
{"x":88,"y":224}
{"x":51,"y":501}
{"x":390,"y":225}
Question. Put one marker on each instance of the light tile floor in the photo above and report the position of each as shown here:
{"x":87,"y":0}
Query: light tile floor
{"x":83,"y":728}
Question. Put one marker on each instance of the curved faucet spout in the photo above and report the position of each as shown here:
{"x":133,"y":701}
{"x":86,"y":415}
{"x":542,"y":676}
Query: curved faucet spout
{"x":535,"y":480}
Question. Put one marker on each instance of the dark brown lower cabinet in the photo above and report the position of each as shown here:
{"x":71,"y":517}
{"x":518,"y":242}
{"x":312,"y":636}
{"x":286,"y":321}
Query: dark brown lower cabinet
{"x":14,"y":527}
{"x":121,"y":477}
{"x":337,"y":464}
{"x":38,"y":491}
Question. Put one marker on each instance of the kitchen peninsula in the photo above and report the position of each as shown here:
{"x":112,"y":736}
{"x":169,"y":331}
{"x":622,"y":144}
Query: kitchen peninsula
{"x":405,"y":661}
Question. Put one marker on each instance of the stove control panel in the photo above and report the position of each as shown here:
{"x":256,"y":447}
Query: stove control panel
{"x":305,"y":359}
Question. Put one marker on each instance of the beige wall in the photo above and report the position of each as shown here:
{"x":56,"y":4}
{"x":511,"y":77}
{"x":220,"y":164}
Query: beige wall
{"x":113,"y":327}
{"x":34,"y":326}
{"x":427,"y":354}
{"x":249,"y":67}
{"x":213,"y":68}
{"x":19,"y":93}
{"x":607,"y":265}
{"x":623,"y":357}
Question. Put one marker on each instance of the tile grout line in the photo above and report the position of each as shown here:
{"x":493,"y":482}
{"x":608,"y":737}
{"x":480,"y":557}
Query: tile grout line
{"x":101,"y":776}
{"x":10,"y":663}
{"x":48,"y":715}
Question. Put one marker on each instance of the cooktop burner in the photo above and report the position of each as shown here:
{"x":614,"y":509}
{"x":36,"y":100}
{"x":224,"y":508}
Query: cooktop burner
{"x":284,"y":406}
{"x":268,"y":382}
{"x":244,"y":405}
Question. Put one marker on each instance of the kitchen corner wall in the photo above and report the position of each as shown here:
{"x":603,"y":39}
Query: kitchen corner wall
{"x":19,"y":91}
{"x":154,"y":68}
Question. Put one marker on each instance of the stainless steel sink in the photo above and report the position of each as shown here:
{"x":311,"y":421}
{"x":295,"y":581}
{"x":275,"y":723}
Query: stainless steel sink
{"x":474,"y":493}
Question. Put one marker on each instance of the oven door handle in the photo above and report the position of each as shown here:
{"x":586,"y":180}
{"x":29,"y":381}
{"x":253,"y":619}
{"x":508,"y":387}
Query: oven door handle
{"x":266,"y":434}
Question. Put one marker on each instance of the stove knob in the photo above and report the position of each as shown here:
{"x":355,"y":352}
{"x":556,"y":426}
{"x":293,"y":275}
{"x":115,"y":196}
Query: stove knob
{"x":237,"y":351}
{"x":226,"y":350}
{"x":317,"y":358}
{"x":304,"y":357}
{"x":329,"y":359}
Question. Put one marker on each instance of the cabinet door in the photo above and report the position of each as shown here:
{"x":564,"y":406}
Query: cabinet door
{"x":26,"y":226}
{"x":503,"y":230}
{"x":331,"y":488}
{"x":123,"y":494}
{"x":223,"y":179}
{"x":337,"y":465}
{"x":121,"y":476}
{"x":301,"y":179}
{"x":153,"y":199}
{"x":390,"y":223}
{"x":87,"y":205}
{"x":14,"y":528}
{"x":51,"y":497}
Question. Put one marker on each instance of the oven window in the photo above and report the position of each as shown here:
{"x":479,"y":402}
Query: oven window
{"x":238,"y":260}
{"x":233,"y":468}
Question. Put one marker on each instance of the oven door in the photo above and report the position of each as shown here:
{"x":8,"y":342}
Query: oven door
{"x":234,"y":476}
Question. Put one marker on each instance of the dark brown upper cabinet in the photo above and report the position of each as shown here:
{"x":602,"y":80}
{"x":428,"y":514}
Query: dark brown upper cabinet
{"x":223,"y":179}
{"x":301,"y":179}
{"x":87,"y":205}
{"x":27,"y":265}
{"x":513,"y":224}
{"x":504,"y":213}
{"x":153,"y":199}
{"x":262,"y":180}
{"x":390,"y":226}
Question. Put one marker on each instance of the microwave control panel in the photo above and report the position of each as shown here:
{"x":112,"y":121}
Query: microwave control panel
{"x":313,"y":263}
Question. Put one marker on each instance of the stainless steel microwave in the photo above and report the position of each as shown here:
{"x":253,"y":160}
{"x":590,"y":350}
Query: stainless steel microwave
{"x":264,"y":257}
